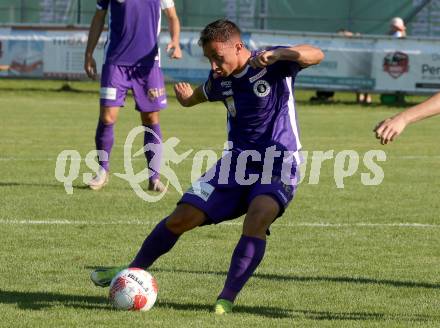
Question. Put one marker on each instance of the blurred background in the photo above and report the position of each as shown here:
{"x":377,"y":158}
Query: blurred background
{"x":46,"y":39}
{"x":362,"y":16}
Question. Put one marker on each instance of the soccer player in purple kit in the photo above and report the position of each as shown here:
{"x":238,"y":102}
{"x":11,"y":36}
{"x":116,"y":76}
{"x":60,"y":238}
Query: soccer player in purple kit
{"x":132,"y":61}
{"x":257,"y":90}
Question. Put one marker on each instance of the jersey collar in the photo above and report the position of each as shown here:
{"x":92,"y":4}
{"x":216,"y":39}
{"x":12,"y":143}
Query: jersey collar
{"x":242,"y":73}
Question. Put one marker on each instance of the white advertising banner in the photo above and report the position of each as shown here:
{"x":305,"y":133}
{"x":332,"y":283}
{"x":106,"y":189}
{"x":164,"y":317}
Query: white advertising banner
{"x":374,"y":64}
{"x":412,"y":68}
{"x":45,"y":54}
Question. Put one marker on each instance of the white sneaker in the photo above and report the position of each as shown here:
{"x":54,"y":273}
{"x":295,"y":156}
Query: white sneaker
{"x":100,"y":180}
{"x":156,"y":185}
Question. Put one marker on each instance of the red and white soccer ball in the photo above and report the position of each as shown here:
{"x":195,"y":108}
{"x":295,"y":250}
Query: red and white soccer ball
{"x":133,"y":289}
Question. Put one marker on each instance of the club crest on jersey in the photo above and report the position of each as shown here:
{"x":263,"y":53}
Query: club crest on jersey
{"x":261,"y":88}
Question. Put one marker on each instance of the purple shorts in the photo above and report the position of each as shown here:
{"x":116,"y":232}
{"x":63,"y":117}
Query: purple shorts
{"x":146,"y":82}
{"x":224,"y":200}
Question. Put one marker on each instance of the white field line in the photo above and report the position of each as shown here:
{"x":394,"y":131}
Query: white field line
{"x":229,"y":223}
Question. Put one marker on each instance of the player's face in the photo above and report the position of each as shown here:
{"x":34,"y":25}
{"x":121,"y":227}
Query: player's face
{"x":223,"y":56}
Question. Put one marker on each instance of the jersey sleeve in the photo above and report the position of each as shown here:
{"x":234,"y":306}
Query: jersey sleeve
{"x":164,"y":4}
{"x":102,"y":4}
{"x":286,"y":67}
{"x":212,"y":88}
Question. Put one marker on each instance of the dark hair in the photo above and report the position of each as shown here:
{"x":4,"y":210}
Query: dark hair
{"x":221,"y":30}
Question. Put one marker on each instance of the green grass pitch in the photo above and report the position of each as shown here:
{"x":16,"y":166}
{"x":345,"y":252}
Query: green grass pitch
{"x":337,"y":258}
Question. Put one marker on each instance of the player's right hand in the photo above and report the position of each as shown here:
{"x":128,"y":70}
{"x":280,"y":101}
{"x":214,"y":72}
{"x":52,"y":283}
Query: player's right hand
{"x":90,"y":67}
{"x":263,"y":59}
{"x":183,"y":91}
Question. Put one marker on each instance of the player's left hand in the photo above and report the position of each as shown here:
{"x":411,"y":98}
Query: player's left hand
{"x":264,"y":59}
{"x":174,"y":51}
{"x":389,"y":129}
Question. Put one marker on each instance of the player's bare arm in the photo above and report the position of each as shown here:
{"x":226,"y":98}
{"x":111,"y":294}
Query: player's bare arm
{"x":392,"y":127}
{"x":187,"y":96}
{"x":174,"y":26}
{"x":96,"y":28}
{"x":305,"y":55}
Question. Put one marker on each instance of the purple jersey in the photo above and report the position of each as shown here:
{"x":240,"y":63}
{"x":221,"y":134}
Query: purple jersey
{"x":261,"y":107}
{"x":134,"y":28}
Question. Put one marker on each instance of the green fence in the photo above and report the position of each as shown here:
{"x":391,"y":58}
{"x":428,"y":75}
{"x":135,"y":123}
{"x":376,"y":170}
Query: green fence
{"x":363,"y":16}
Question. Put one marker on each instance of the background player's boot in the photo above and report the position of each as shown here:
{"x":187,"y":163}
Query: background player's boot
{"x":223,"y":306}
{"x":100,"y":180}
{"x":156,"y":185}
{"x":103,"y":277}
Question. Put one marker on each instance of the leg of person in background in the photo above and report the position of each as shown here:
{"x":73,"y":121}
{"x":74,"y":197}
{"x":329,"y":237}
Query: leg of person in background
{"x":363,"y":98}
{"x":153,"y":136}
{"x":104,"y":140}
{"x":323,"y":96}
{"x":400,"y":98}
{"x":368,"y":99}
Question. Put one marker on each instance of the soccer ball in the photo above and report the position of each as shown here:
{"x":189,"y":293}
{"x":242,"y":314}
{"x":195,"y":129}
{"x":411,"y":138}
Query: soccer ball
{"x":133,"y":289}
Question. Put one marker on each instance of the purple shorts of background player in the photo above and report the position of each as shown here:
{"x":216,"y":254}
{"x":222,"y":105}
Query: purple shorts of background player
{"x":147,"y":83}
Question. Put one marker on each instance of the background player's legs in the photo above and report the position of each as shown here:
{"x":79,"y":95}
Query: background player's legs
{"x":104,"y":137}
{"x":151,"y":120}
{"x":165,"y":235}
{"x":250,"y":248}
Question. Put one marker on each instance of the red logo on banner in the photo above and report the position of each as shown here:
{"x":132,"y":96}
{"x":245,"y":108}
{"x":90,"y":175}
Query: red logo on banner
{"x":396,"y":64}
